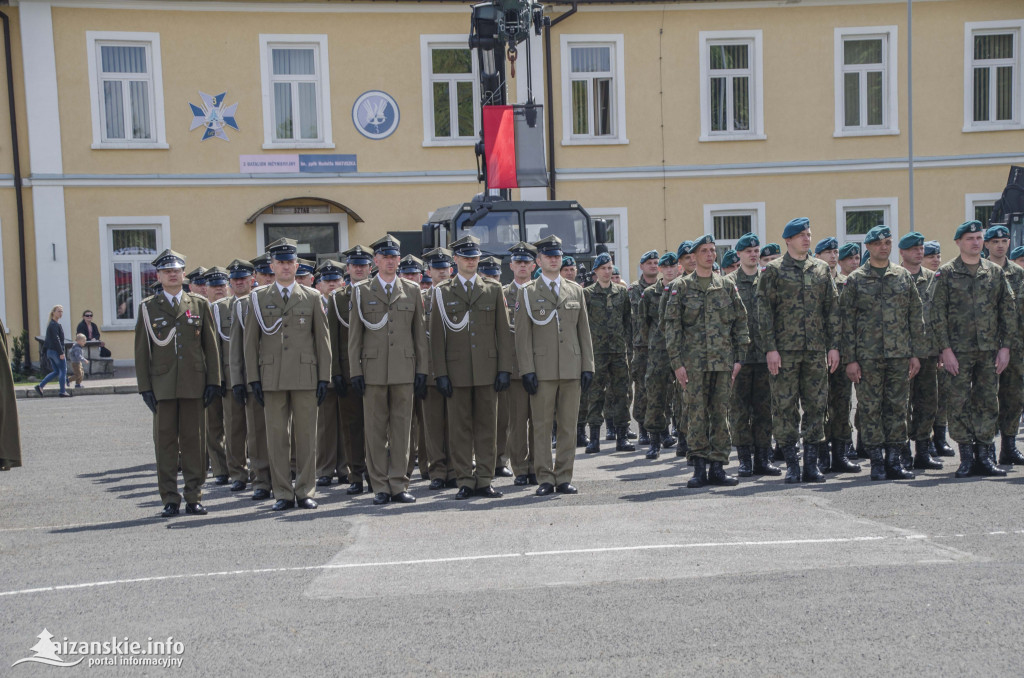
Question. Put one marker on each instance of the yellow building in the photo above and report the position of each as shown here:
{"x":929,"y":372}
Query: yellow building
{"x":671,"y":119}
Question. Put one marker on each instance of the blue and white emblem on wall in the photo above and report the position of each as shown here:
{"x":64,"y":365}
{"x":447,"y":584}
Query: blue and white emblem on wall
{"x":214,"y":116}
{"x":375,"y":114}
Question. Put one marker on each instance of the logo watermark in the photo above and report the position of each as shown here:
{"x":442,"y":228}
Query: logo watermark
{"x":124,"y":651}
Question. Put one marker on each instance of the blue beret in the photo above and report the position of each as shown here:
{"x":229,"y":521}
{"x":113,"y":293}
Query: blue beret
{"x":912,"y":239}
{"x":747,"y":240}
{"x":602,"y":259}
{"x":850,"y":249}
{"x":615,"y":270}
{"x":864,"y":257}
{"x":729,"y":258}
{"x":568,"y":261}
{"x":685,"y":248}
{"x":1017,"y":252}
{"x":705,"y":239}
{"x":967,"y":227}
{"x":826,"y":244}
{"x":770,"y":248}
{"x":796,"y":227}
{"x":877,"y":233}
{"x":997,"y":231}
{"x":668,"y":259}
{"x":933,"y":247}
{"x":647,"y":256}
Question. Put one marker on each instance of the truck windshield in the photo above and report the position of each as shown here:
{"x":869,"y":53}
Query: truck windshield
{"x":497,"y":231}
{"x":569,"y":225}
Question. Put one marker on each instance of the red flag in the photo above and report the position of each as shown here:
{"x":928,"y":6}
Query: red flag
{"x":500,"y":146}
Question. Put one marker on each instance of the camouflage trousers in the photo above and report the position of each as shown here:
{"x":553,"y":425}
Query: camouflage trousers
{"x":882,"y":396}
{"x":802,"y":382}
{"x":611,"y":385}
{"x":638,"y":374}
{"x":1011,"y":396}
{"x":678,"y":405}
{"x":840,"y":397}
{"x":750,"y":412}
{"x":659,"y":385}
{"x":973,"y":396}
{"x":942,"y":399}
{"x":707,"y":397}
{"x":921,"y":405}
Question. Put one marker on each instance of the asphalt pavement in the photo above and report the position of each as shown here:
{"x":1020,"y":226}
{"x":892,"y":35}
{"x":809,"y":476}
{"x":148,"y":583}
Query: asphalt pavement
{"x":636,"y":575}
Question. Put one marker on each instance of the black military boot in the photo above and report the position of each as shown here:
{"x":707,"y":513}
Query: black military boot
{"x":985,"y":460}
{"x":645,"y":438}
{"x":778,"y":454}
{"x":851,"y":452}
{"x":743,"y":453}
{"x":824,"y":461}
{"x":792,"y":458}
{"x":1009,"y":455}
{"x":682,"y":449}
{"x":630,"y":433}
{"x":812,"y":473}
{"x":894,"y":464}
{"x":581,"y":435}
{"x":654,"y":451}
{"x":594,"y":443}
{"x":906,"y":458}
{"x":718,"y":476}
{"x":966,"y":469}
{"x":862,"y":453}
{"x":877,"y":463}
{"x":700,"y":473}
{"x":609,"y":430}
{"x":923,"y":455}
{"x":942,"y":448}
{"x":840,"y":462}
{"x":763,"y":465}
{"x":675,"y":430}
{"x":622,"y":443}
{"x":666,"y":439}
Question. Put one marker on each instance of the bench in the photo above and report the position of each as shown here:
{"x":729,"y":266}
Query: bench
{"x":96,"y":367}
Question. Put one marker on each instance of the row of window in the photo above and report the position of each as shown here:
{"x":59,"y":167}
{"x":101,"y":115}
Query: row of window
{"x":128,"y":100}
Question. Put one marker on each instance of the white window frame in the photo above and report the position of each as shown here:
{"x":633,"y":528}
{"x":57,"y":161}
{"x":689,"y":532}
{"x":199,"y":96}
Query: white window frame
{"x":162,"y":224}
{"x":889,"y":205}
{"x":972,"y":200}
{"x":616,"y":41}
{"x":319,"y":43}
{"x":970,"y":29}
{"x":890,"y":85}
{"x":428,"y":43}
{"x":756,"y":54}
{"x":621,"y":248}
{"x":756,"y":210}
{"x":94,"y":40}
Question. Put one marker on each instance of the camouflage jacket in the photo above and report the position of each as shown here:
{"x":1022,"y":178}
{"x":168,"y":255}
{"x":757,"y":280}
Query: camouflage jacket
{"x":746,"y":285}
{"x":636,"y":291}
{"x":650,"y":315}
{"x":882,"y":316}
{"x":705,"y":330}
{"x":1015,"y":277}
{"x":925,"y":281}
{"x":608,"y":311}
{"x":797,"y":307}
{"x":973,"y":313}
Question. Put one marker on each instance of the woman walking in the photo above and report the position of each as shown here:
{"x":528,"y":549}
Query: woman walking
{"x":53,"y":346}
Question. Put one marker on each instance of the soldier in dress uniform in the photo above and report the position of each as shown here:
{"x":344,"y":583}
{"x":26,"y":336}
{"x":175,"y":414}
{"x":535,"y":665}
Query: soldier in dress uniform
{"x":178,"y":371}
{"x":196,"y":281}
{"x":388,"y":361}
{"x":330,"y":448}
{"x":471,"y":360}
{"x":638,"y":362}
{"x":518,"y":435}
{"x":304,"y":272}
{"x":658,"y":380}
{"x":235,"y":419}
{"x":288,"y":351}
{"x":490,"y":268}
{"x":556,"y":358}
{"x":216,"y":280}
{"x":411,"y":268}
{"x":440,"y":467}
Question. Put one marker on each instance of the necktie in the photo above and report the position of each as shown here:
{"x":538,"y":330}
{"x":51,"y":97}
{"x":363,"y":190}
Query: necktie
{"x":174,"y":305}
{"x":388,"y":289}
{"x":554,"y":288}
{"x":469,"y":286}
{"x":284,"y":295}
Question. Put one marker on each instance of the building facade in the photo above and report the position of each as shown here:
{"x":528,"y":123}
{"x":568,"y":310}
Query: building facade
{"x":216,"y":127}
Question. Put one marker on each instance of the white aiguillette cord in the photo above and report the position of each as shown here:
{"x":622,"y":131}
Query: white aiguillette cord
{"x":529,"y":311}
{"x":449,"y":325}
{"x":216,"y":317}
{"x":152,"y":333}
{"x":334,"y":302}
{"x":259,"y":316}
{"x":359,"y":309}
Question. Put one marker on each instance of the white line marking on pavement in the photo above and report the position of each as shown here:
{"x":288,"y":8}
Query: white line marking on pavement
{"x":456,"y":559}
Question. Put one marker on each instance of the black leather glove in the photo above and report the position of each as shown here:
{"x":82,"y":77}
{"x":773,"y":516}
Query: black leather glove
{"x":502,"y":382}
{"x":419,"y":386}
{"x":210,"y":393}
{"x":321,"y":392}
{"x":240,"y":394}
{"x":340,"y":387}
{"x":257,"y":391}
{"x":359,"y":385}
{"x":530,"y":383}
{"x":444,"y":385}
{"x":585,"y":380}
{"x":150,"y":399}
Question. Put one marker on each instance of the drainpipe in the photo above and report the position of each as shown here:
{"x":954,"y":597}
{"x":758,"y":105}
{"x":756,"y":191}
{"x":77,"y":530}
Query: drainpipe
{"x":549,"y":98}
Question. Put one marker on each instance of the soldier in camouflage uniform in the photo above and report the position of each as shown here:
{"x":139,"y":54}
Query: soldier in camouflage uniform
{"x":1011,"y":381}
{"x":638,"y":363}
{"x":798,"y":320}
{"x":750,"y":413}
{"x":883,"y":336}
{"x":658,"y":380}
{"x":608,"y":312}
{"x":705,"y":330}
{"x":973,"y":319}
{"x":932,"y":260}
{"x":730,"y":261}
{"x":923,"y":388}
{"x":687,"y":265}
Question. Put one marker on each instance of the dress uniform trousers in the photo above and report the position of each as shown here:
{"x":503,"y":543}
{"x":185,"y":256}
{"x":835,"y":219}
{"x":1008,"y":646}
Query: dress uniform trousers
{"x":235,"y":427}
{"x":501,"y":437}
{"x":215,"y":437}
{"x":330,"y":453}
{"x":297,"y":408}
{"x":520,"y":429}
{"x":922,"y":404}
{"x":556,"y":401}
{"x":259,"y":457}
{"x":350,"y":422}
{"x":417,"y":444}
{"x":177,"y":424}
{"x":802,"y":383}
{"x":973,"y":398}
{"x":435,"y":421}
{"x":387,"y":413}
{"x":472,"y":412}
{"x":882,"y":396}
